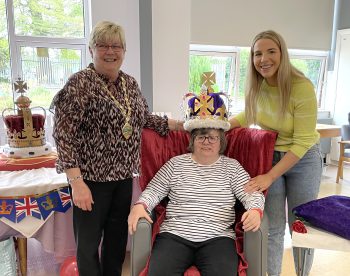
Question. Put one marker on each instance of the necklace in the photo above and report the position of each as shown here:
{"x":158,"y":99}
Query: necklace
{"x":127,"y":128}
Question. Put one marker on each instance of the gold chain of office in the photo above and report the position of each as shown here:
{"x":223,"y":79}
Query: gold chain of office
{"x":127,"y":128}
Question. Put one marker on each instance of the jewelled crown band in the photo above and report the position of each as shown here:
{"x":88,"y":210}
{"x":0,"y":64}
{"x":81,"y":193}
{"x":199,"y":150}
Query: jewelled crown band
{"x":206,"y":110}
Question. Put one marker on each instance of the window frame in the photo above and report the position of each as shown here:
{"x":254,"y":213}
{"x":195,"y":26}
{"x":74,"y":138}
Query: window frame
{"x":18,"y":41}
{"x":198,"y":49}
{"x":222,"y":51}
{"x":322,"y":80}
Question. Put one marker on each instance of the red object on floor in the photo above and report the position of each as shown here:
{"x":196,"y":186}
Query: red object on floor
{"x":69,"y":267}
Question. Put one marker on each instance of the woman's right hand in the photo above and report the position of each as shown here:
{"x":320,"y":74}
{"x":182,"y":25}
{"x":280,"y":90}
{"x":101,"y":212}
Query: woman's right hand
{"x":234,"y":123}
{"x":137,"y":212}
{"x":81,"y":194}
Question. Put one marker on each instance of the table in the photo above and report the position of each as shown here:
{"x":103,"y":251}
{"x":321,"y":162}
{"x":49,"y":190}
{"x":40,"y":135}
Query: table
{"x":319,"y":239}
{"x":327,"y":131}
{"x":56,"y":232}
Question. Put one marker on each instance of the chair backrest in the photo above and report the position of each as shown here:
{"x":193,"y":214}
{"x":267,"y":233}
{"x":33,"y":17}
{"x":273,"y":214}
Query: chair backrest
{"x":345,"y":135}
{"x":253,"y":148}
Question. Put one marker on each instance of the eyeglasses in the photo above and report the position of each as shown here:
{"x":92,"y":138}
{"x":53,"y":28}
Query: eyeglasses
{"x":105,"y":47}
{"x":211,"y":139}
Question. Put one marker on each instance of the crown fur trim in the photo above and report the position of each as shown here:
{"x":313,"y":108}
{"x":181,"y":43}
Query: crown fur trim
{"x":206,"y":123}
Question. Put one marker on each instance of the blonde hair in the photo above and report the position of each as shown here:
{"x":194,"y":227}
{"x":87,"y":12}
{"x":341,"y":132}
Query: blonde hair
{"x":286,"y":72}
{"x":106,"y":31}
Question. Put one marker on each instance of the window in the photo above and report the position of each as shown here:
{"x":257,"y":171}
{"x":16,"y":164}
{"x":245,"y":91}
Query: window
{"x":43,"y":42}
{"x":313,"y":65}
{"x":221,"y":60}
{"x":230,"y":66}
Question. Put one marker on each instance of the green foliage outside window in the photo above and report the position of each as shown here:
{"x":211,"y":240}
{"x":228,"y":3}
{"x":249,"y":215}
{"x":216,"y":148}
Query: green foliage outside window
{"x":57,"y":18}
{"x":46,"y":74}
{"x":199,"y":64}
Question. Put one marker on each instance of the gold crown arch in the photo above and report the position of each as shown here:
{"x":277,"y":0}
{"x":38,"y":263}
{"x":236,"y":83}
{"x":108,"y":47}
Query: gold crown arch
{"x":29,"y":136}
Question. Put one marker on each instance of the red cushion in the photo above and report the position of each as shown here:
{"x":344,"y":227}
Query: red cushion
{"x":253,"y":148}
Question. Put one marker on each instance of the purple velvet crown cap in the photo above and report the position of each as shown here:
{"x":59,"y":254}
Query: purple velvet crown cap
{"x":330,"y":213}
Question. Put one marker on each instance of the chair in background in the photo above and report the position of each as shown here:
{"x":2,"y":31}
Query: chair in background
{"x":344,"y":153}
{"x":325,"y":143}
{"x":253,"y":148}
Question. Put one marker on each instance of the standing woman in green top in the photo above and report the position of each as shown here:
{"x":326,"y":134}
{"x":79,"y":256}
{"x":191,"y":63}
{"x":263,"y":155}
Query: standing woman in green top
{"x":280,"y":98}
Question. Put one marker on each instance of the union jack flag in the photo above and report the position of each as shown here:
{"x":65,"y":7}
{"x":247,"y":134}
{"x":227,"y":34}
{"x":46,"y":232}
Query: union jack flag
{"x":65,"y":199}
{"x":27,"y":206}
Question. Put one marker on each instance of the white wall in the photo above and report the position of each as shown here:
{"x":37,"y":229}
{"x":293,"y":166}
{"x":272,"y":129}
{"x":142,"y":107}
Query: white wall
{"x":341,"y":77}
{"x":171,"y":40}
{"x":176,"y":24}
{"x":305,"y":24}
{"x":126,"y":13}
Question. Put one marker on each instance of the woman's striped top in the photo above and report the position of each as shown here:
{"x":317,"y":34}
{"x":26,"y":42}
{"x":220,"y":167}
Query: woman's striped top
{"x":201,"y":197}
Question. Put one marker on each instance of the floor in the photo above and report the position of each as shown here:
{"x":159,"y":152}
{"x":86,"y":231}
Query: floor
{"x":40,"y":263}
{"x":326,"y":262}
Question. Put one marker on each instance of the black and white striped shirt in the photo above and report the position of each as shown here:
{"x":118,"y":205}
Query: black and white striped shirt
{"x":201,"y":197}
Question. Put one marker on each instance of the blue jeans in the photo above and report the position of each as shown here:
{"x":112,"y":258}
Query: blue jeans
{"x":298,"y":185}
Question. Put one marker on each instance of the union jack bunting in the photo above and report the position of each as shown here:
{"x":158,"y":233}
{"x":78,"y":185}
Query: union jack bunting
{"x":65,"y":199}
{"x":26,"y":206}
{"x":7,"y":209}
{"x":48,"y":203}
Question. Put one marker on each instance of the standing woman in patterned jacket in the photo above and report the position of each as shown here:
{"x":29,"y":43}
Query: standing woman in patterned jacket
{"x":99,"y":116}
{"x":280,"y":98}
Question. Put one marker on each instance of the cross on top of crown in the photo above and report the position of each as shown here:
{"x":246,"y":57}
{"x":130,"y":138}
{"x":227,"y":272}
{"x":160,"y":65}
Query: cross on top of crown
{"x":20,"y":86}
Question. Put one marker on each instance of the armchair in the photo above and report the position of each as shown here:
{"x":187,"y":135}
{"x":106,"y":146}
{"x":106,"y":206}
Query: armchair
{"x":253,"y":148}
{"x":344,"y":153}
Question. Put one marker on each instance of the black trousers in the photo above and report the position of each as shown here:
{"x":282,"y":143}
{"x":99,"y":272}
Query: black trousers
{"x":173,"y":255}
{"x":107,"y":220}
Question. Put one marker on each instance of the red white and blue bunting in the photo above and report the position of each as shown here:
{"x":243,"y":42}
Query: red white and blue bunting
{"x":39,"y":206}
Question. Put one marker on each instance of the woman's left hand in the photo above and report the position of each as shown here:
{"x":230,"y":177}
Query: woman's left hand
{"x":258,"y":184}
{"x":251,"y":220}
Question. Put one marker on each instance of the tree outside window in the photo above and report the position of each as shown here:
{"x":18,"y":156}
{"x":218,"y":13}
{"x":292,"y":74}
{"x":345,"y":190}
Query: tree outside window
{"x":47,"y":42}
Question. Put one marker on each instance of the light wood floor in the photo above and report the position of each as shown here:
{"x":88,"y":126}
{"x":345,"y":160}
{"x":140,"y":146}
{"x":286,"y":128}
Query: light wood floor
{"x":326,"y":262}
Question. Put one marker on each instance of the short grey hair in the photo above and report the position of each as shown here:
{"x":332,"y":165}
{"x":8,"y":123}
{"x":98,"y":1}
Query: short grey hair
{"x":203,"y":131}
{"x":106,"y":31}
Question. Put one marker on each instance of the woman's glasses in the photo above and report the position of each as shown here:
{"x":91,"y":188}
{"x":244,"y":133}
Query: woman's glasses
{"x":211,"y":139}
{"x":105,"y":47}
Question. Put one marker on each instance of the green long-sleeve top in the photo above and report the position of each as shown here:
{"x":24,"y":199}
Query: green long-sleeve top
{"x":297,"y":129}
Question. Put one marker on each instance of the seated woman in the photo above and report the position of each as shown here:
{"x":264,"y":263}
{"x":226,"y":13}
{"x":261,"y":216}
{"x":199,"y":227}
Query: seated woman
{"x":202,"y":187}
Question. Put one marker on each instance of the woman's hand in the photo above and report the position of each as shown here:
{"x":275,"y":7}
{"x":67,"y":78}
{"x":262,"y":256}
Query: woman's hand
{"x":137,"y":212}
{"x":251,"y":220}
{"x":176,"y":124}
{"x":81,"y":194}
{"x":259,"y":183}
{"x":234,"y":123}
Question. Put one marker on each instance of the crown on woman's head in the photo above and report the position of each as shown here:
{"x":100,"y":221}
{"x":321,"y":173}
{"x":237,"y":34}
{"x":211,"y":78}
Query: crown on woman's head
{"x":206,"y":110}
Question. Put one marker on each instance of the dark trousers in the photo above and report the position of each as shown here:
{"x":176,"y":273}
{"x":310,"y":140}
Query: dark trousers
{"x":108,"y":219}
{"x":173,"y":255}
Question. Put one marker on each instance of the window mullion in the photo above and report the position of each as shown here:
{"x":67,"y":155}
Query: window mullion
{"x":14,"y":61}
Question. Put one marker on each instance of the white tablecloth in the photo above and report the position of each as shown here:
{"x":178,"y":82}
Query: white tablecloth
{"x":29,"y":182}
{"x":317,"y":238}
